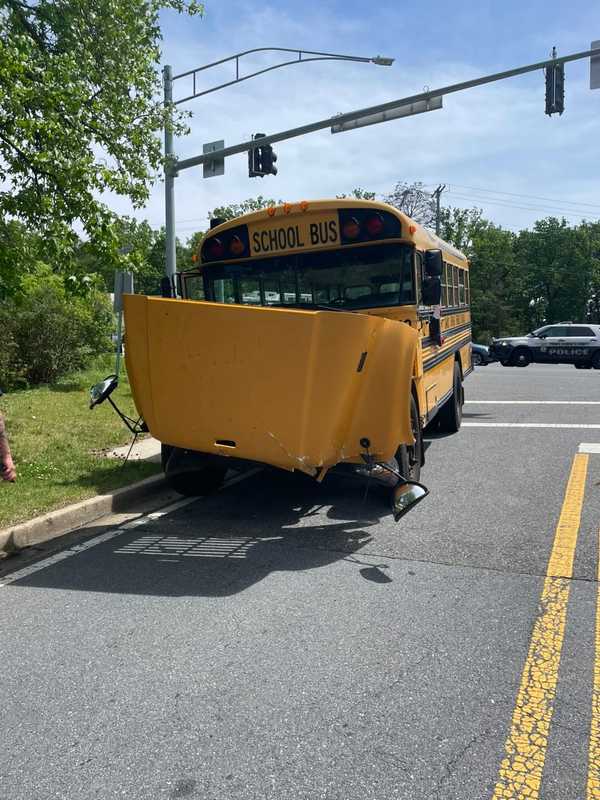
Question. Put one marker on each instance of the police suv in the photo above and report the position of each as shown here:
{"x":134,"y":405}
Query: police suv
{"x":563,"y":343}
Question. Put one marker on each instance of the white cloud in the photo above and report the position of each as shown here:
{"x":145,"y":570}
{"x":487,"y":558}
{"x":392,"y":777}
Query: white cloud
{"x":494,"y":137}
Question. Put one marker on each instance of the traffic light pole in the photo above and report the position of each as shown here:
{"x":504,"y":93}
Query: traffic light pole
{"x":170,"y":242}
{"x":243,"y":147}
{"x":170,"y":170}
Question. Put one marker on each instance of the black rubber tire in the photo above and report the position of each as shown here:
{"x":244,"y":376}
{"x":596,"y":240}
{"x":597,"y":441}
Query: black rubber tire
{"x":596,"y":361}
{"x":450,"y":414}
{"x":476,"y":360}
{"x":410,"y":458}
{"x":583,"y":365}
{"x":506,"y":363}
{"x":521,"y":357}
{"x":199,"y":483}
{"x":196,"y":483}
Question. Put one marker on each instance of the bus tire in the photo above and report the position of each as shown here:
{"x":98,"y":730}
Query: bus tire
{"x":410,"y":457}
{"x":204,"y":480}
{"x":450,"y":414}
{"x":197,"y":484}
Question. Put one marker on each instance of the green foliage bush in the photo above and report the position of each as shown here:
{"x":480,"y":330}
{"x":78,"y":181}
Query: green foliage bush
{"x":49,"y":330}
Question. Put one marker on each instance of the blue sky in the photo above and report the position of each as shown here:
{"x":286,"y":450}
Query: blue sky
{"x":493,"y":146}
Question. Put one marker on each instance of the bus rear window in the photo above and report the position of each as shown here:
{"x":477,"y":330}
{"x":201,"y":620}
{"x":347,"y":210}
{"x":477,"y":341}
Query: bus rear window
{"x":362,"y":277}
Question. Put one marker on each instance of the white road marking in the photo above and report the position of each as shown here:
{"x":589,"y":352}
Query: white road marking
{"x":535,"y":402}
{"x":105,"y":537}
{"x":525,"y":425}
{"x":589,"y":447}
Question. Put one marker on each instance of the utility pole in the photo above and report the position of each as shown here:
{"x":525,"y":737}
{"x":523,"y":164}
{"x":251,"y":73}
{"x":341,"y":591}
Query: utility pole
{"x":437,"y":194}
{"x":170,"y":246}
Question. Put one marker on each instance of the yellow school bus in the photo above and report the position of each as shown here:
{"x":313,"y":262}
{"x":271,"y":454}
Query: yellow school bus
{"x":309,"y":335}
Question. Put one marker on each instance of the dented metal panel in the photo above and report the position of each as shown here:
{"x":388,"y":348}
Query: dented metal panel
{"x":290,"y":388}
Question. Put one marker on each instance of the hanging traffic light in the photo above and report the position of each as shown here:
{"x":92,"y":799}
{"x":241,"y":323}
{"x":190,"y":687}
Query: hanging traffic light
{"x":268,"y":157}
{"x":261,"y":160}
{"x":555,"y":89}
{"x":254,"y":170}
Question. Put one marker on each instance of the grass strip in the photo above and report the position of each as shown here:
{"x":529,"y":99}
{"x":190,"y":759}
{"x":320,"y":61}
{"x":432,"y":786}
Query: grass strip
{"x":56,"y":443}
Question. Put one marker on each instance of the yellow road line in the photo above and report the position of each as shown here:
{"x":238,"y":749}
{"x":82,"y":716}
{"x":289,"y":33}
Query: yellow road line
{"x":593,"y":784}
{"x":520,"y":773}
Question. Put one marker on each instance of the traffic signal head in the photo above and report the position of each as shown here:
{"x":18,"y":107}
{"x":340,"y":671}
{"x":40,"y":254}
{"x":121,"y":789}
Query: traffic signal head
{"x":261,"y":159}
{"x":254,"y":170}
{"x":268,"y":157}
{"x":555,"y":89}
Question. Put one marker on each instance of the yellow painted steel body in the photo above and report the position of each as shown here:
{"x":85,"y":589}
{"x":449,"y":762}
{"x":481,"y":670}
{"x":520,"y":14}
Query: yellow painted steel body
{"x":296,"y":389}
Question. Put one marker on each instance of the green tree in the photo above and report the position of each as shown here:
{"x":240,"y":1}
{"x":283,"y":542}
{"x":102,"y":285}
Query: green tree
{"x":80,"y":113}
{"x":234,"y":210}
{"x":357,"y":194}
{"x":557,"y":271}
{"x":496,"y":282}
{"x":459,"y":225}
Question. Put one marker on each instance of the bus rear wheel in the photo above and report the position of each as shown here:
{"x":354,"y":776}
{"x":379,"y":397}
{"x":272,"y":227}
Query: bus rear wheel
{"x":410,"y":457}
{"x":450,"y":414}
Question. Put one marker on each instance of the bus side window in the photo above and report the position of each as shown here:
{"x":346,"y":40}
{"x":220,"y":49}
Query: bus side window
{"x":418,"y":274}
{"x":461,"y":287}
{"x":445,"y":301}
{"x":467,"y":288}
{"x":454,"y":285}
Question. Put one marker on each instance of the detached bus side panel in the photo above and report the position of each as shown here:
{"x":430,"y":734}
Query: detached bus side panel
{"x":294,"y":389}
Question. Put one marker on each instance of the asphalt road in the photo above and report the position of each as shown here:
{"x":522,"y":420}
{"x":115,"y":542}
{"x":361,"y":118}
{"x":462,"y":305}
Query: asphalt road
{"x":286,"y":640}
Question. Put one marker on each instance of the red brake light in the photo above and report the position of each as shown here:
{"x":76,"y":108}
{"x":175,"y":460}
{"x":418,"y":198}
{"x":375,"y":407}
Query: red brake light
{"x":237,"y":247}
{"x":216,"y":249}
{"x":351,"y":229}
{"x":375,"y":225}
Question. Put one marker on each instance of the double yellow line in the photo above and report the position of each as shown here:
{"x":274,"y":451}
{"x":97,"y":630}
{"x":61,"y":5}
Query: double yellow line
{"x":520,"y":773}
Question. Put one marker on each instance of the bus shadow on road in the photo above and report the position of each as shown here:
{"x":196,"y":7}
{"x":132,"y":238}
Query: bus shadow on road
{"x":221,"y":545}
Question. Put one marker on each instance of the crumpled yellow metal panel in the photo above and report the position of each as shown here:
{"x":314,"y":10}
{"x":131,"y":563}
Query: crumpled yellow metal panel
{"x":285,"y":387}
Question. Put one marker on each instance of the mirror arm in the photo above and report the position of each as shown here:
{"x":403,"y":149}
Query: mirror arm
{"x":133,"y":425}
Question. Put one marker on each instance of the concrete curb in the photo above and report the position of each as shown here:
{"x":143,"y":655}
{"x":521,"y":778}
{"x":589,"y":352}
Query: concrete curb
{"x":57,"y":523}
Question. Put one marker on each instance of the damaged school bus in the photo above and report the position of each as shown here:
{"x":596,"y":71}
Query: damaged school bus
{"x":310,"y":335}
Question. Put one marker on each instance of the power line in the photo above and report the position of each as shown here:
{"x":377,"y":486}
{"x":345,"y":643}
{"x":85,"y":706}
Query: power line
{"x":536,"y":209}
{"x":554,"y":201}
{"x":531,"y":196}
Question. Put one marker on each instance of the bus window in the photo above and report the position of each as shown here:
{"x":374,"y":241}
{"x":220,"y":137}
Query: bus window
{"x":367,"y":277}
{"x":454,"y":285}
{"x":445,"y":300}
{"x":461,"y":287}
{"x":272,"y":291}
{"x":418,"y":275}
{"x":194,"y":287}
{"x":250,"y":291}
{"x":467,"y":288}
{"x":224,"y":291}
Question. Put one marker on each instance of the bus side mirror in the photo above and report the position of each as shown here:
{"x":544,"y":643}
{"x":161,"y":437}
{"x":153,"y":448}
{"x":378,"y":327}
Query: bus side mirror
{"x":406,"y":496}
{"x":434,"y":263}
{"x":431,"y":291}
